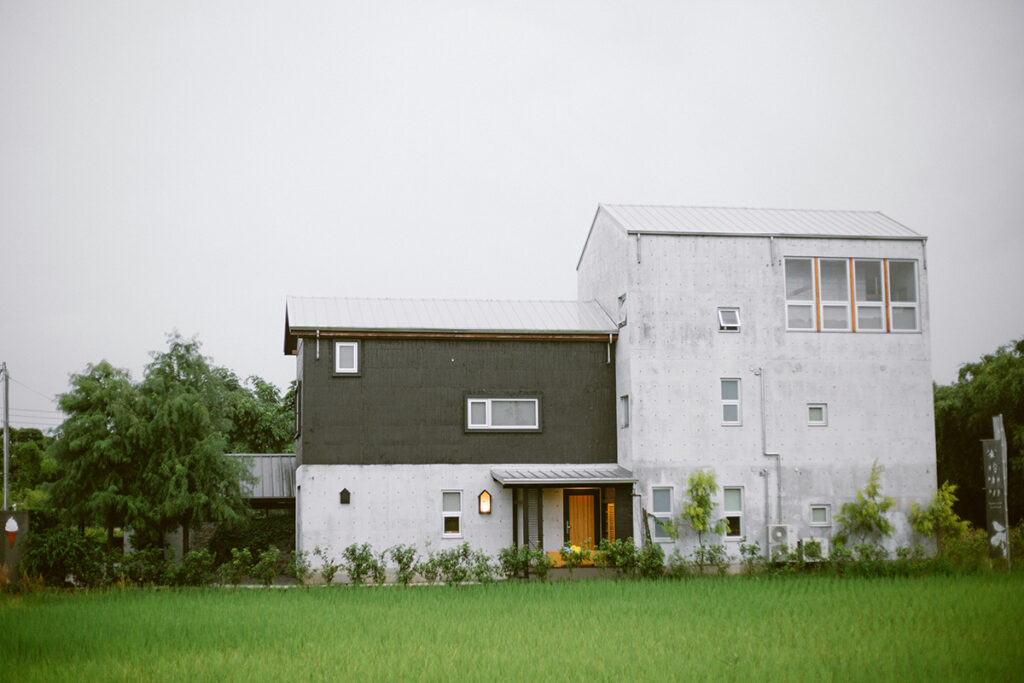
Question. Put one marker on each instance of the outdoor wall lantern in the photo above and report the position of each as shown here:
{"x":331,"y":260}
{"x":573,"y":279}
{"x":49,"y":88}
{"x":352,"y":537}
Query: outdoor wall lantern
{"x":484,"y":501}
{"x":344,"y":497}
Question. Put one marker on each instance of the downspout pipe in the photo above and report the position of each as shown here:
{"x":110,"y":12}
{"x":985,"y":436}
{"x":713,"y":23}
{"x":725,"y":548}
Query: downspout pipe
{"x":759,"y":372}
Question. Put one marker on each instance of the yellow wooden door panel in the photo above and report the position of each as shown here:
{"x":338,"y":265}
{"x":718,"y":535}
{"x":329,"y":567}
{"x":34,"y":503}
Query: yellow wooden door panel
{"x":581,"y":519}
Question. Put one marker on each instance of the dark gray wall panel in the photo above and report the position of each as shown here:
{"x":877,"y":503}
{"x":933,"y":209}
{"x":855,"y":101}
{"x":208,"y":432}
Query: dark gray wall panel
{"x":408,"y":403}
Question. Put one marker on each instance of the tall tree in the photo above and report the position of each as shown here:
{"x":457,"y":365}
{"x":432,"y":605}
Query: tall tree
{"x":93,"y":448}
{"x":262,"y":421}
{"x":185,"y":405}
{"x":963,"y":416}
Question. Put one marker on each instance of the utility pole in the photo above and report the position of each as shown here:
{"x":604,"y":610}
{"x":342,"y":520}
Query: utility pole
{"x":7,"y":429}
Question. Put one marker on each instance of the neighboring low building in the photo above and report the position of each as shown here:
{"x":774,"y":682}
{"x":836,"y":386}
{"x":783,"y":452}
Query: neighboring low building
{"x":784,"y":350}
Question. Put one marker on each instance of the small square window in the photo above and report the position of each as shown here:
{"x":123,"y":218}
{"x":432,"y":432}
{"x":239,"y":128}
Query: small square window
{"x":346,"y":358}
{"x":728,"y":320}
{"x":451,"y":509}
{"x":821,"y":515}
{"x":817,"y":414}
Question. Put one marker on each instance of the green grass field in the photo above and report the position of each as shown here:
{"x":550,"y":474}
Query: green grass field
{"x":794,"y":628}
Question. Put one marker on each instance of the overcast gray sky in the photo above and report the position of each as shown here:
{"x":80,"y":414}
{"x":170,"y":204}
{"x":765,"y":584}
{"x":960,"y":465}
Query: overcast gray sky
{"x":187,"y":165}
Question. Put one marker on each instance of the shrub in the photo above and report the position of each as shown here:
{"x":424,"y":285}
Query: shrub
{"x":483,"y":570}
{"x":540,"y":564}
{"x":265,"y":568}
{"x":574,"y":556}
{"x":938,"y":519}
{"x":620,"y":554}
{"x":404,"y":557}
{"x":454,"y":564}
{"x":59,"y":554}
{"x":678,"y":565}
{"x":711,"y":556}
{"x":513,"y":561}
{"x":651,"y":561}
{"x":257,"y":534}
{"x":148,"y":566}
{"x":328,"y":565}
{"x":379,"y":567}
{"x":751,"y":557}
{"x":429,"y":568}
{"x":197,"y":568}
{"x":299,"y":567}
{"x":866,"y":518}
{"x":358,"y":562}
{"x":237,"y":568}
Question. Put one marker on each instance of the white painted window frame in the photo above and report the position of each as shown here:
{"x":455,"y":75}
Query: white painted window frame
{"x":824,"y":415}
{"x":734,"y":513}
{"x":878,"y":305}
{"x":833,"y":303}
{"x":738,"y":402}
{"x":487,"y":424}
{"x":447,"y":514}
{"x":809,"y":303}
{"x":724,"y":326}
{"x":662,"y":515}
{"x":893,"y":304}
{"x":354,"y":369}
{"x":828,"y":514}
{"x":624,"y":411}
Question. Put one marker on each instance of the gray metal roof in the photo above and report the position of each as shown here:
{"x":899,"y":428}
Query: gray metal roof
{"x":706,"y":220}
{"x":446,"y":315}
{"x":562,"y":475}
{"x":275,"y":475}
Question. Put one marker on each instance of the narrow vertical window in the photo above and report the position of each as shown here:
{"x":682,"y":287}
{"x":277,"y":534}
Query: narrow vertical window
{"x":730,"y":401}
{"x":903,"y":296}
{"x":834,"y":276}
{"x":869,"y":297}
{"x":661,"y":509}
{"x":624,"y":411}
{"x":346,"y":358}
{"x":800,"y":309}
{"x":733,"y":508}
{"x":451,"y":510}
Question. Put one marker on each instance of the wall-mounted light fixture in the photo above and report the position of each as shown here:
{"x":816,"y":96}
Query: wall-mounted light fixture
{"x":484,"y":502}
{"x":344,"y":497}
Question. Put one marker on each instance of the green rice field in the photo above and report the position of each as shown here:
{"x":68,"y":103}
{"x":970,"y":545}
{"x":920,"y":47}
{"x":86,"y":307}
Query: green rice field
{"x":808,"y":628}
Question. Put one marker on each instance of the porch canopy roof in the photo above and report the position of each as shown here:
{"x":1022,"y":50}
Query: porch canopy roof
{"x":562,"y":475}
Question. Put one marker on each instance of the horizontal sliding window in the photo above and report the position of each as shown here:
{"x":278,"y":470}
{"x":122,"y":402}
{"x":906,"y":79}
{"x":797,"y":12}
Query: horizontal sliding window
{"x":503,"y":413}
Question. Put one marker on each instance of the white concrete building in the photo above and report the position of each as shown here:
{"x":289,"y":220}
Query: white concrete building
{"x":784,"y":350}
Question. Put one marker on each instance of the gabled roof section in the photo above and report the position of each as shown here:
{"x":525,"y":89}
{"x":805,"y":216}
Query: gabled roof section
{"x":707,"y":220}
{"x":442,"y":317}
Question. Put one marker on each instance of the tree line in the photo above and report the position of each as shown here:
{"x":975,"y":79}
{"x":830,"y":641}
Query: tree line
{"x":150,"y":455}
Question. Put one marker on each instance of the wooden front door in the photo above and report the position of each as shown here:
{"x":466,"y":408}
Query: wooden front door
{"x":582,"y":520}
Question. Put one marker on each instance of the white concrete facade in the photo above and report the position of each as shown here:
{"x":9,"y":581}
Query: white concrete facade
{"x":393,"y":504}
{"x":671,"y":358}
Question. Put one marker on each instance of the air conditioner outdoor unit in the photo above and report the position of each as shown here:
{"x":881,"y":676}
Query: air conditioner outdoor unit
{"x":823,"y":543}
{"x":781,"y":539}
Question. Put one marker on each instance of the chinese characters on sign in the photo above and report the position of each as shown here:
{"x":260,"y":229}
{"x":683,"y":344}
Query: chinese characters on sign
{"x":994,"y":461}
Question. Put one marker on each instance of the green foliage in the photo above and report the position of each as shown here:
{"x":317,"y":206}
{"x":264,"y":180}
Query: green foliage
{"x":651,"y":561}
{"x":540,"y":564}
{"x":299,"y":567}
{"x":711,"y":557}
{"x":358,"y":562}
{"x":456,"y":564}
{"x":939,"y":519}
{"x":237,"y":568}
{"x":751,"y":557}
{"x":519,"y":562}
{"x":429,"y":568}
{"x":866,"y":518}
{"x":147,"y":567}
{"x":328,"y":565}
{"x":481,"y":566}
{"x":573,"y":557}
{"x":265,"y":568}
{"x":620,"y":554}
{"x":378,"y":568}
{"x":197,"y":569}
{"x":698,"y":511}
{"x":31,"y":468}
{"x":991,"y":386}
{"x":255,"y":533}
{"x":404,"y":557}
{"x":62,"y":554}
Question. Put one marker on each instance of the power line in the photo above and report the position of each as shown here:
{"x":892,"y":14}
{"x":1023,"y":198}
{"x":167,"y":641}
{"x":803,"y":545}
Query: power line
{"x":38,"y":393}
{"x":35,"y":410}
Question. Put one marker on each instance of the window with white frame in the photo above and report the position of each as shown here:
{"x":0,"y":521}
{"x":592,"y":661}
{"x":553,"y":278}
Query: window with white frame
{"x":503,"y":413}
{"x":730,"y":401}
{"x":451,"y":510}
{"x":903,"y":296}
{"x":728,"y":320}
{"x":821,"y":515}
{"x":733,"y":508}
{"x":346,"y":358}
{"x":800,"y":308}
{"x":868,"y":295}
{"x":817,"y":414}
{"x":834,"y":283}
{"x":624,"y":411}
{"x":661,"y":509}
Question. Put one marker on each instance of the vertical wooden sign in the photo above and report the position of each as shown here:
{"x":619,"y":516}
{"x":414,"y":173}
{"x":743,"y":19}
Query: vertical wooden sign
{"x":996,"y":512}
